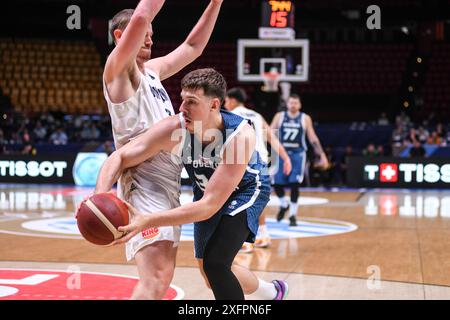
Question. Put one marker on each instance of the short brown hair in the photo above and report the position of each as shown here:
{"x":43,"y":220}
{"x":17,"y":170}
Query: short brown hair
{"x":238,"y":94}
{"x":120,"y":21}
{"x":208,"y":79}
{"x":295,"y":96}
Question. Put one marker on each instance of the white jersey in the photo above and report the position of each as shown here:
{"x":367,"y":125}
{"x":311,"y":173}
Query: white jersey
{"x":153,"y":185}
{"x":257,"y":120}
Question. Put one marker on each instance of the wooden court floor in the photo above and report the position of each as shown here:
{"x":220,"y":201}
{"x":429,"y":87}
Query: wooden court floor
{"x":357,"y":244}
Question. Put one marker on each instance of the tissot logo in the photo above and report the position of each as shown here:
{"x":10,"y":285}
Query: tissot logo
{"x":32,"y":168}
{"x":408,"y":173}
{"x":389,"y":172}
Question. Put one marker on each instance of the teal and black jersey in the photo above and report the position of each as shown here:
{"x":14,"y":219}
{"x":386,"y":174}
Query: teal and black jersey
{"x":292,"y":132}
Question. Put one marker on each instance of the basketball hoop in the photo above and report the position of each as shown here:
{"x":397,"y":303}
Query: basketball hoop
{"x":271,"y":80}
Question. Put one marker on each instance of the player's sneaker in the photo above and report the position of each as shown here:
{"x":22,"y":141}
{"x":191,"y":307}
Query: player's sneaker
{"x":247,"y":248}
{"x":292,"y":221}
{"x":281,"y":213}
{"x":263,"y":242}
{"x":282,"y":289}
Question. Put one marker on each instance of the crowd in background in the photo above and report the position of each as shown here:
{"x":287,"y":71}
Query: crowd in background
{"x":410,"y":139}
{"x":23,"y":135}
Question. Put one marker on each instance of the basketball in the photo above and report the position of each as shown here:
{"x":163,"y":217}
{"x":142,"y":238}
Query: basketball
{"x":99,"y":216}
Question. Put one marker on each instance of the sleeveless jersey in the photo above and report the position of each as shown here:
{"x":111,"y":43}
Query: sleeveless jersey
{"x":292,"y":132}
{"x":201,"y":161}
{"x":156,"y":180}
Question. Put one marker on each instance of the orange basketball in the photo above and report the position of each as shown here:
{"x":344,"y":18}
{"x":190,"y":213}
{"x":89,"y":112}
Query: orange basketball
{"x":99,"y":217}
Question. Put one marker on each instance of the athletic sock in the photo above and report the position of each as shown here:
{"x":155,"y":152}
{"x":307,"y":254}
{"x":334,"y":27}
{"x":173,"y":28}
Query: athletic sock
{"x":284,"y":203}
{"x":262,"y":231}
{"x":266,"y":291}
{"x":293,"y":209}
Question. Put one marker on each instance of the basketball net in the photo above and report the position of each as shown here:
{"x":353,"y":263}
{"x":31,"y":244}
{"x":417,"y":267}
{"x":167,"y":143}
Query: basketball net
{"x":271,"y":80}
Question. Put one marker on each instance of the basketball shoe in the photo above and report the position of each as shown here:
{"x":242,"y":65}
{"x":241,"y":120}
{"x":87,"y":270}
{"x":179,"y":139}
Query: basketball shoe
{"x":282,"y":289}
{"x":281,"y":213}
{"x":247,"y":247}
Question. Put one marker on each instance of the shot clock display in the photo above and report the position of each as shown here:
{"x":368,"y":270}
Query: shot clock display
{"x":278,"y":14}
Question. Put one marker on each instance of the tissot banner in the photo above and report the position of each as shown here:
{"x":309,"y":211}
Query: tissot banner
{"x":398,"y":172}
{"x":80,"y":169}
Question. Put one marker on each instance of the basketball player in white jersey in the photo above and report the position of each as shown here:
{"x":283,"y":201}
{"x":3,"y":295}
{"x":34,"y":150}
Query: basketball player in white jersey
{"x":234,"y":102}
{"x":137,"y":101}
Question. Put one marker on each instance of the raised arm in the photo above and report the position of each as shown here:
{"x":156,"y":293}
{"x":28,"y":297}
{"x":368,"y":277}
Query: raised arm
{"x":191,"y":48}
{"x":219,"y":188}
{"x":123,"y":57}
{"x":158,"y":138}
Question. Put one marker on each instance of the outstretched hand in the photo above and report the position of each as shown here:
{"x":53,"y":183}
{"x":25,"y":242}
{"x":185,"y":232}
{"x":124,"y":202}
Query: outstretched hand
{"x":137,"y":224}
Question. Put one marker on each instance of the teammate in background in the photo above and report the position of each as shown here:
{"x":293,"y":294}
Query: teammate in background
{"x":231,"y":186}
{"x":137,"y":101}
{"x":234,"y":102}
{"x":293,"y":126}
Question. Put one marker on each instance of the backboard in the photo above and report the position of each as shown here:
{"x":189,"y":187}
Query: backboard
{"x":289,"y":57}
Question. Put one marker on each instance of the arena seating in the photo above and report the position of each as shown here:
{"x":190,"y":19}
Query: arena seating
{"x":221,"y":56}
{"x":437,"y":82}
{"x":356,"y":68}
{"x":48,"y":75}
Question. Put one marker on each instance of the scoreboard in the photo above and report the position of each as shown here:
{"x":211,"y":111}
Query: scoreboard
{"x":278,"y":14}
{"x":277,"y":19}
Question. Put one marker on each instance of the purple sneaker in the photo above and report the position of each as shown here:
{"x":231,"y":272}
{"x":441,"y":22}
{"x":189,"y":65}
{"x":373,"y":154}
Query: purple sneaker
{"x":282,"y":289}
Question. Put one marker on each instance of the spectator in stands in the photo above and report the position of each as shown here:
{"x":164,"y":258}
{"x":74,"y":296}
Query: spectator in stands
{"x":2,"y":137}
{"x":3,"y":142}
{"x":380,"y":150}
{"x":423,"y":135}
{"x":370,"y":151}
{"x":95,"y":132}
{"x":28,"y":148}
{"x":90,"y":131}
{"x":398,"y":137}
{"x":417,"y":150}
{"x":434,"y":138}
{"x":331,"y":175}
{"x":78,"y":121}
{"x":47,"y":119}
{"x":343,"y":163}
{"x":15,"y":138}
{"x":39,"y":131}
{"x":383,"y":120}
{"x":59,"y":137}
{"x":441,"y":132}
{"x":85,"y":133}
{"x":420,"y":135}
{"x":402,"y":120}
